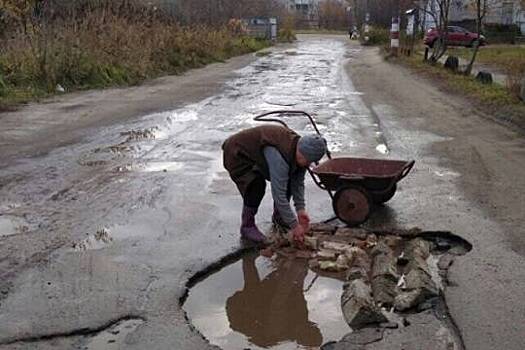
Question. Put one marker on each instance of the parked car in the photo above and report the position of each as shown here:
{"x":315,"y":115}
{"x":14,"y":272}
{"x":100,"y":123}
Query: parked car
{"x":457,"y":36}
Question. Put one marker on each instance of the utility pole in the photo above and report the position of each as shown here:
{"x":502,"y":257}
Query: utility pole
{"x":394,"y":32}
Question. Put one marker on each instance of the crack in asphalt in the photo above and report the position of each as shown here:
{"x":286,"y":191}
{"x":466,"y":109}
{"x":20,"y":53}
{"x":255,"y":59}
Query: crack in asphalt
{"x":73,"y":333}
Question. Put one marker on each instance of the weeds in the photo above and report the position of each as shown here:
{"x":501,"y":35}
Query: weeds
{"x":102,"y":48}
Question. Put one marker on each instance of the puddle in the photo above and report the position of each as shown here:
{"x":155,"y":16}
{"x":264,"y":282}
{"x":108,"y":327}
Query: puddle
{"x":258,"y":303}
{"x":10,"y":225}
{"x":382,"y":148}
{"x":150,"y":167}
{"x":114,"y":337}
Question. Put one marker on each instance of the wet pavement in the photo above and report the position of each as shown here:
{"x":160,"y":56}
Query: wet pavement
{"x":135,"y":210}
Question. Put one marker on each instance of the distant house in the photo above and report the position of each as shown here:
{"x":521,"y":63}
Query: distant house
{"x":505,"y":12}
{"x":306,"y":11}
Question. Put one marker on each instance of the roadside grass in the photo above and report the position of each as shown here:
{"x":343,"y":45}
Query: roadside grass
{"x":101,"y":49}
{"x":494,"y":99}
{"x":497,"y":55}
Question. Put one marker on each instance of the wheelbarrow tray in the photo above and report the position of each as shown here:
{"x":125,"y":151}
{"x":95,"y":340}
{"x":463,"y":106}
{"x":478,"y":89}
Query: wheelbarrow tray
{"x":372,"y":174}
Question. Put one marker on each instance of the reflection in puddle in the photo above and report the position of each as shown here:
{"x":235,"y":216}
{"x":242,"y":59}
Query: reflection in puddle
{"x":258,"y":303}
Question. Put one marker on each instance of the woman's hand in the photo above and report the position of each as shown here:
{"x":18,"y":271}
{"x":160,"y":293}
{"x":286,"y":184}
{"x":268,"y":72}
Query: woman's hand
{"x":304,"y":220}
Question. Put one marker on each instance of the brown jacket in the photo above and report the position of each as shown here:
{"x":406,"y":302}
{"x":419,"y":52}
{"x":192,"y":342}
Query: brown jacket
{"x":244,"y":157}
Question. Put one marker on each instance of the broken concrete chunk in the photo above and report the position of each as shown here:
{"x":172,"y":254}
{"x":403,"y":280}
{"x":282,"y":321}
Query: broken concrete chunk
{"x":406,"y":300}
{"x":339,"y":247}
{"x":355,"y":273}
{"x":384,"y":262}
{"x":342,"y":260}
{"x":325,"y":254}
{"x":352,"y":232}
{"x":392,"y":241}
{"x":420,"y":280}
{"x":322,"y":228}
{"x":311,"y":242}
{"x":445,"y":261}
{"x":418,"y":247}
{"x":358,"y":305}
{"x":384,"y":290}
{"x":356,"y":253}
{"x":371,"y":240}
{"x":331,"y":266}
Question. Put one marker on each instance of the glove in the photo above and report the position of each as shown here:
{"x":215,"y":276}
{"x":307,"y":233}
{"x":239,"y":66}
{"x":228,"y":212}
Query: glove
{"x":304,"y":220}
{"x":297,"y":234}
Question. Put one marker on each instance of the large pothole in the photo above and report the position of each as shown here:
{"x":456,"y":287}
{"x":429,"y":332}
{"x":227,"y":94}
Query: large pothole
{"x":352,"y":288}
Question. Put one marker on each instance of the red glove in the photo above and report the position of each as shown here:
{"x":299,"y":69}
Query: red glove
{"x":298,"y":234}
{"x":304,"y":220}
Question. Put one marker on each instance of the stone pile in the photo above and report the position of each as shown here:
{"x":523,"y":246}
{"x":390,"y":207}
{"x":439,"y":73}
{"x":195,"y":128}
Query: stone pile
{"x":382,"y":272}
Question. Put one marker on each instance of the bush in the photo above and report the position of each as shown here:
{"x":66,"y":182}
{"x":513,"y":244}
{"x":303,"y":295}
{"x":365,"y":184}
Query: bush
{"x":377,"y":36}
{"x":107,"y":48}
{"x":286,"y":30}
{"x":515,"y":71}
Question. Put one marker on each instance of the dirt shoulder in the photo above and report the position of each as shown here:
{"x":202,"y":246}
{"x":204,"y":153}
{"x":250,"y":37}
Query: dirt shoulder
{"x":489,"y":159}
{"x":38,"y":128}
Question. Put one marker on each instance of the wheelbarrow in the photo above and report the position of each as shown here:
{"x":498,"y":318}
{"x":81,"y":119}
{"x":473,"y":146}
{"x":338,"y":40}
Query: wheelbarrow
{"x":355,"y":185}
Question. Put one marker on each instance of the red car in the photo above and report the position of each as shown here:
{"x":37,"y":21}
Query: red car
{"x":457,"y":36}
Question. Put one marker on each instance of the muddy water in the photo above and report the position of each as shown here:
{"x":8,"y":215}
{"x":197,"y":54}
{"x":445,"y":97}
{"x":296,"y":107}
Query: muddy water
{"x":259,"y":303}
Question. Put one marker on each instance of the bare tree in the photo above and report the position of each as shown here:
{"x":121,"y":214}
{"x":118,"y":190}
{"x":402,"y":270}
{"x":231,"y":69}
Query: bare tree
{"x":481,"y":7}
{"x":439,"y":10}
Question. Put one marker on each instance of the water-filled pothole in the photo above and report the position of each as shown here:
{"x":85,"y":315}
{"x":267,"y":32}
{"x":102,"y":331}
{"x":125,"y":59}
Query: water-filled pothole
{"x":272,"y":304}
{"x":350,"y":280}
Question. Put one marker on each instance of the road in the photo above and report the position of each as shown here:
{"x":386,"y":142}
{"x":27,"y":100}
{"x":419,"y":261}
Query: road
{"x":112,"y":200}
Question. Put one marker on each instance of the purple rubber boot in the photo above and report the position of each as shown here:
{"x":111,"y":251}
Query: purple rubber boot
{"x":278,"y":220}
{"x":249,"y":230}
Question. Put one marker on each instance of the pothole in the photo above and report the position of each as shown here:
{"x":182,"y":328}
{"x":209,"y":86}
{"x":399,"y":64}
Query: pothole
{"x":351,"y":286}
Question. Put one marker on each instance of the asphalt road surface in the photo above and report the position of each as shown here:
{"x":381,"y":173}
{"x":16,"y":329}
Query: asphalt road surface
{"x":111,"y":200}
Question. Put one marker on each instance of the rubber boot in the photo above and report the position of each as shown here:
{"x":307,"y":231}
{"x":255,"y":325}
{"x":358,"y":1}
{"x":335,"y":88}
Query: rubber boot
{"x":278,"y":220}
{"x":249,"y":230}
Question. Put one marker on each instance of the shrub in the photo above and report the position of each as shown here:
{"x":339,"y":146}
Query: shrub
{"x":286,"y":30}
{"x":376,"y":36}
{"x":102,"y":48}
{"x":515,"y":70}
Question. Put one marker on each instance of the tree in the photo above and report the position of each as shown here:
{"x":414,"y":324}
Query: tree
{"x":439,"y":10}
{"x":481,"y":7}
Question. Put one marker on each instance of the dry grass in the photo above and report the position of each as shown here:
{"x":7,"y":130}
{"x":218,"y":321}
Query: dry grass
{"x":493,"y":99}
{"x":103,"y":48}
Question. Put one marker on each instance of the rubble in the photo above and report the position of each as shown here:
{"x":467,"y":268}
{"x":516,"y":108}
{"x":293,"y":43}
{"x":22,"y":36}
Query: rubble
{"x":388,"y":270}
{"x":352,"y":232}
{"x":358,"y":305}
{"x":384,"y":274}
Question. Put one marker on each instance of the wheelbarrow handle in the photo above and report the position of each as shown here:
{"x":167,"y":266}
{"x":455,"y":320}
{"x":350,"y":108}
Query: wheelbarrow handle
{"x":406,"y":169}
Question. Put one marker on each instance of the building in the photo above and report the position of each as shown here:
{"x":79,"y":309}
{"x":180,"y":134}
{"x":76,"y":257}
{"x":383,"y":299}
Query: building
{"x":305,"y":11}
{"x":503,"y":12}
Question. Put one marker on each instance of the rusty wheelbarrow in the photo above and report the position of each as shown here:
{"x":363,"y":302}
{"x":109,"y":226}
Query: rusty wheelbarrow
{"x":356,"y":185}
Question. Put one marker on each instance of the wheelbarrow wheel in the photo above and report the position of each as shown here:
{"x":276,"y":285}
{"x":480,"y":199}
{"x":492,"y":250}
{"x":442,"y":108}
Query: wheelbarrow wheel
{"x":352,"y":205}
{"x":383,"y":197}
